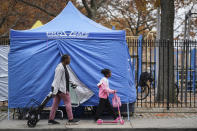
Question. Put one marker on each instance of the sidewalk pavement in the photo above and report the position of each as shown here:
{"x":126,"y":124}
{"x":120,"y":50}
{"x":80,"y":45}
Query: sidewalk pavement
{"x":90,"y":124}
{"x":138,"y":121}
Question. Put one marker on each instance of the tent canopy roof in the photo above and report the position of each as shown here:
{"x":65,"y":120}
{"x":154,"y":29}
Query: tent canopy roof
{"x":70,"y":19}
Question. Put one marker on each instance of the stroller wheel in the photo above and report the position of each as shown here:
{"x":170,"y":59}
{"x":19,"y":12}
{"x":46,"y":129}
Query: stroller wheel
{"x":31,"y":122}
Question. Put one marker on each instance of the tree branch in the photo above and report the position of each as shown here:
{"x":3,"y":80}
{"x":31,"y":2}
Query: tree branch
{"x":85,"y":4}
{"x":3,"y":20}
{"x":38,"y":7}
{"x":13,"y":25}
{"x":130,"y":27}
{"x":8,"y":13}
{"x":93,"y":4}
{"x":100,"y":3}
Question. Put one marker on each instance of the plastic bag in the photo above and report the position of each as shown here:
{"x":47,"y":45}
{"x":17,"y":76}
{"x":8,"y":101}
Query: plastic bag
{"x":116,"y":101}
{"x":73,"y":96}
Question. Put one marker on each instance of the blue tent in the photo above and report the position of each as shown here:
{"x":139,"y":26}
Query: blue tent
{"x":34,"y":55}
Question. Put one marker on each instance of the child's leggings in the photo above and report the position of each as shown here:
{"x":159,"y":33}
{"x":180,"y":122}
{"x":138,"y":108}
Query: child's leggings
{"x":104,"y":104}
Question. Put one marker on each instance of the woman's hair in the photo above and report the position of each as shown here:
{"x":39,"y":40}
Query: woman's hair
{"x":65,"y":57}
{"x":105,"y":72}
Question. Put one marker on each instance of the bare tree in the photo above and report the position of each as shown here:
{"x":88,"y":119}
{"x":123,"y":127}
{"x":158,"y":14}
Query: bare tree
{"x":21,"y":14}
{"x":137,"y":17}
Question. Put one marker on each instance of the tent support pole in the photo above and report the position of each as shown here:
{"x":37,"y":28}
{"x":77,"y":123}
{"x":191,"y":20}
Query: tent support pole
{"x":128,"y":111}
{"x":8,"y":113}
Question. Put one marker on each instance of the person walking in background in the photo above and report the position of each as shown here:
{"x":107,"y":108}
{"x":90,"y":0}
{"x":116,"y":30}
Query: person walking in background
{"x":60,"y":87}
{"x":104,"y":92}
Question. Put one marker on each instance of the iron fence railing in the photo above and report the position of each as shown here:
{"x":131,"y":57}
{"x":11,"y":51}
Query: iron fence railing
{"x":173,"y":67}
{"x":4,"y":41}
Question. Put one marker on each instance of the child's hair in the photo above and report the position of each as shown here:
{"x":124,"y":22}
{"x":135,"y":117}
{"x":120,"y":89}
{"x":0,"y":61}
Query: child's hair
{"x":105,"y":72}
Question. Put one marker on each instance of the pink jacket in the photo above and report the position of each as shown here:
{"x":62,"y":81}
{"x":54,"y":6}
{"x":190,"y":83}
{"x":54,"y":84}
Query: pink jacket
{"x":104,"y":89}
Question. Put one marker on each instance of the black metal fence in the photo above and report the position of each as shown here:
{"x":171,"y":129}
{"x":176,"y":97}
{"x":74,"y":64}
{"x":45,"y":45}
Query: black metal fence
{"x":4,"y":41}
{"x":154,"y":58}
{"x":173,"y":67}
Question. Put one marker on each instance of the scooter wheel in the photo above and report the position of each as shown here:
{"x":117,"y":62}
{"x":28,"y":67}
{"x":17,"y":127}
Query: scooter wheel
{"x":31,"y":122}
{"x":122,"y":122}
{"x":99,"y":121}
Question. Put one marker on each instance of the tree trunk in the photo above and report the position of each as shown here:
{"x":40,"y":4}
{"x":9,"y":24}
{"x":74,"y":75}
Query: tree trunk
{"x":166,"y":53}
{"x":91,"y":9}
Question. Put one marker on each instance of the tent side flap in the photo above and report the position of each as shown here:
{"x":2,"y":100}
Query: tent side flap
{"x":31,"y":68}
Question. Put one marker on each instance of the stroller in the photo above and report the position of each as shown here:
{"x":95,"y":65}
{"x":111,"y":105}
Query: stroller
{"x":33,"y":114}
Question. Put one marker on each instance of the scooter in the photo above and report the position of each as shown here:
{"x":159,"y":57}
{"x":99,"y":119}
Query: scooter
{"x":119,"y":119}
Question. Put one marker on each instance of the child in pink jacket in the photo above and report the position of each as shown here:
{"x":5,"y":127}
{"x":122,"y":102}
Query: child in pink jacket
{"x":104,"y":92}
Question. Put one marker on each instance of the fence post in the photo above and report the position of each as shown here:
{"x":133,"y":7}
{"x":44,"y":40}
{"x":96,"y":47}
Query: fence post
{"x":186,"y":76}
{"x":140,"y":50}
{"x":168,"y":90}
{"x":182,"y":70}
{"x":194,"y":72}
